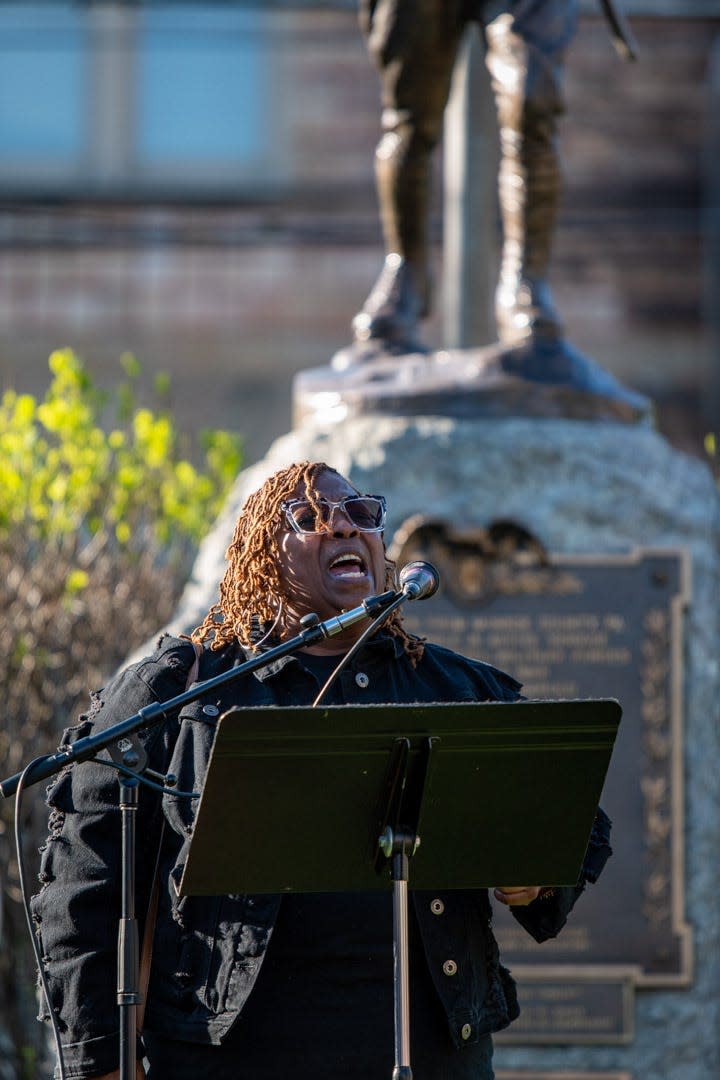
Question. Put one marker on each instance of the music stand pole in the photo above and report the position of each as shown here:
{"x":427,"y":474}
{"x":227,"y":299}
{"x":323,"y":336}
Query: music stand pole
{"x":399,"y":845}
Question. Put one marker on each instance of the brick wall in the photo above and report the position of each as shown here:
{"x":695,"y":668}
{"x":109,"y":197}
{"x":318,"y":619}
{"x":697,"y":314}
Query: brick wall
{"x":233,"y":299}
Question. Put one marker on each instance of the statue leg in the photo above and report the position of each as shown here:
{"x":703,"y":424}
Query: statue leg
{"x":525,"y":50}
{"x":526,"y":46}
{"x":414,"y":45}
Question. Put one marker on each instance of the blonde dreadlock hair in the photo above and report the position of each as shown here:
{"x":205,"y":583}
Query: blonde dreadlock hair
{"x":251,"y":593}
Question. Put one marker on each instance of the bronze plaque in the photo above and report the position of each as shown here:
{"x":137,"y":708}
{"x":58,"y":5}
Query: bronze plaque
{"x":583,"y":627}
{"x":565,"y":1009}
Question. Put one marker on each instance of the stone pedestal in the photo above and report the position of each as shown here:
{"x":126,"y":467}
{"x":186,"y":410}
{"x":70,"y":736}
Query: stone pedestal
{"x":579,"y":488}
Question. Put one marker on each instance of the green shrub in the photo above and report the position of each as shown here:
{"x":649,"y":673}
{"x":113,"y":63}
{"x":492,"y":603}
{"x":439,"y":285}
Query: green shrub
{"x":101,"y":510}
{"x":62,"y":473}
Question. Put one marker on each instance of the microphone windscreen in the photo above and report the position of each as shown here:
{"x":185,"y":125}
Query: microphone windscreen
{"x":419,"y":579}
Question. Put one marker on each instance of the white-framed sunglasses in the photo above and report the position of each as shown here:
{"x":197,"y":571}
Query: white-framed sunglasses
{"x":365,"y":512}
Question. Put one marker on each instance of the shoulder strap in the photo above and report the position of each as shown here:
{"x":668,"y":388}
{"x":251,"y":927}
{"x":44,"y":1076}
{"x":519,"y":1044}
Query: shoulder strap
{"x":195,"y":669}
{"x":149,"y":933}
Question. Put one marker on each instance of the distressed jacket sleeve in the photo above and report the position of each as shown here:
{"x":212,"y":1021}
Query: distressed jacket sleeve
{"x":77,"y":909}
{"x":547,"y":915}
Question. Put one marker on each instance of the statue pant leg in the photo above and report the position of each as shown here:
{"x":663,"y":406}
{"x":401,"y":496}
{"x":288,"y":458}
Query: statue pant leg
{"x":526,"y":46}
{"x":414,"y":44}
{"x":525,"y":53}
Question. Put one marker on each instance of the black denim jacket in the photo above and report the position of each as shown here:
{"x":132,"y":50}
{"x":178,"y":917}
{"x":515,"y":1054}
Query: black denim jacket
{"x":209,"y":950}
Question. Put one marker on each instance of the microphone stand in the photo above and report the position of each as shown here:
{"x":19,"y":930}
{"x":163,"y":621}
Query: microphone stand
{"x":128,"y":753}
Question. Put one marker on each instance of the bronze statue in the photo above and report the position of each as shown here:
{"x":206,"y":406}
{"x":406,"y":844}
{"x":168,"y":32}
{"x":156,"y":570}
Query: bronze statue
{"x":414,"y":44}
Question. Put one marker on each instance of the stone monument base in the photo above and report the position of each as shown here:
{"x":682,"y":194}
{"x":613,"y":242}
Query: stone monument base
{"x":578,"y":488}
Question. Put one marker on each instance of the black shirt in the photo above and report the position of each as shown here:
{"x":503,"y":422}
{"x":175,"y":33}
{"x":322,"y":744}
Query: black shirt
{"x":326,"y":984}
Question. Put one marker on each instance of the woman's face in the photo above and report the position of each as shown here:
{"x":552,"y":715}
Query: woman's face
{"x":330,"y":570}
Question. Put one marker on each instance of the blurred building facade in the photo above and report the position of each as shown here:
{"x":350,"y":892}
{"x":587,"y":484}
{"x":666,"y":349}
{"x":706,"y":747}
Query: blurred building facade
{"x":194,"y":183}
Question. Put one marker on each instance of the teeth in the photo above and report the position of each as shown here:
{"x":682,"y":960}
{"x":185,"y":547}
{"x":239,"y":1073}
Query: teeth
{"x":348,"y":558}
{"x":349,"y":564}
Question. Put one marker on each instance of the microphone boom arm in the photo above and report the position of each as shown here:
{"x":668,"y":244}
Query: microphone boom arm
{"x":86,"y":748}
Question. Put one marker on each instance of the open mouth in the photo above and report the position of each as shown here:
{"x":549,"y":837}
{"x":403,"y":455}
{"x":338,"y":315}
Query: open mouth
{"x":348,"y":567}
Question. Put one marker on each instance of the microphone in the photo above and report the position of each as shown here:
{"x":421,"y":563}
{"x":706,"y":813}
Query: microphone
{"x":418,"y":580}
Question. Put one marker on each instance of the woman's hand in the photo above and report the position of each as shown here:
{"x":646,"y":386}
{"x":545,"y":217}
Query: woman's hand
{"x":517,"y":894}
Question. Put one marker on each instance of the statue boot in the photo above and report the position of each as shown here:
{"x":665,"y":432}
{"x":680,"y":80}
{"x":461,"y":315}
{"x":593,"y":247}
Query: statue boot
{"x":388,"y":322}
{"x":393,"y":308}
